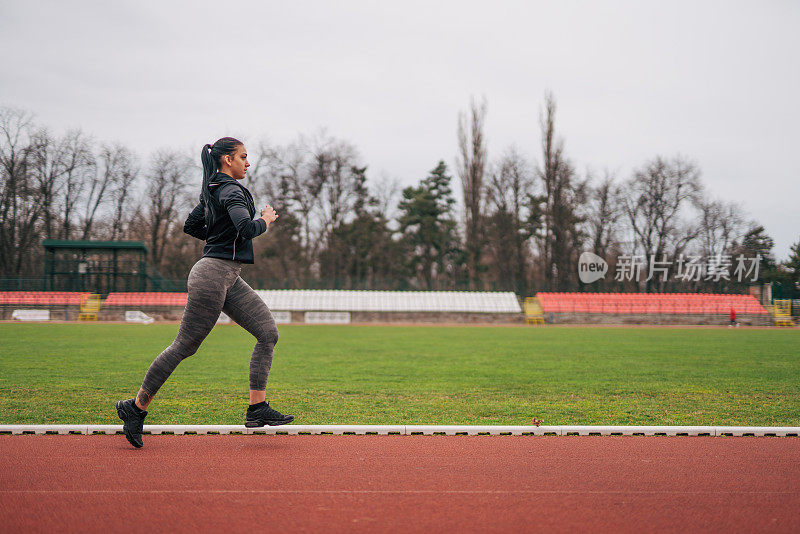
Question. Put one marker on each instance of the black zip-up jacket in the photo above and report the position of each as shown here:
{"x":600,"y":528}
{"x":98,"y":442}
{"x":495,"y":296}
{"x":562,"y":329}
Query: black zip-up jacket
{"x":230,"y":235}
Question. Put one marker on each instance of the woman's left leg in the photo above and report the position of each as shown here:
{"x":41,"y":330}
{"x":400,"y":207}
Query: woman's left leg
{"x":244,"y":306}
{"x":208,"y":284}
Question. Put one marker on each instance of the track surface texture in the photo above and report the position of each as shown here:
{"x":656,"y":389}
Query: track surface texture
{"x":398,"y":483}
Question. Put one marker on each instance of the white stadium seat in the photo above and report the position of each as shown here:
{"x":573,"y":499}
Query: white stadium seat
{"x":390,"y":301}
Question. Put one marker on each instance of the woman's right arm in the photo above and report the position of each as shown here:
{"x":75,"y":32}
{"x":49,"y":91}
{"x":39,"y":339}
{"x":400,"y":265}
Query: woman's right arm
{"x":195,"y":224}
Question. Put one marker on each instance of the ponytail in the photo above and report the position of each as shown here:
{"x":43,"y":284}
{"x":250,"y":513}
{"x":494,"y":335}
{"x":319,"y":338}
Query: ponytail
{"x":209,"y":170}
{"x":210,"y":156}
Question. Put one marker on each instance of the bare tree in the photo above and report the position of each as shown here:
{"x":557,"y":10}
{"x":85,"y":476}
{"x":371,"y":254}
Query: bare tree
{"x":281,"y":248}
{"x":510,"y":225}
{"x":342,"y":180}
{"x":165,"y":187}
{"x":564,"y":195}
{"x":387,"y":189}
{"x":125,"y":176}
{"x":603,"y":215}
{"x":20,"y":203}
{"x":100,"y":183}
{"x":552,"y":149}
{"x":47,"y":170}
{"x":343,"y":193}
{"x":321,"y":186}
{"x":294,"y":169}
{"x":471,"y":166}
{"x":653,"y":201}
{"x":265,"y":168}
{"x":79,"y":165}
{"x":721,"y":224}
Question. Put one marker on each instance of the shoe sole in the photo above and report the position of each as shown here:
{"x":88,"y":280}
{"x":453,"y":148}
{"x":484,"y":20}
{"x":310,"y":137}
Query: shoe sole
{"x":273,"y":422}
{"x":120,"y":413}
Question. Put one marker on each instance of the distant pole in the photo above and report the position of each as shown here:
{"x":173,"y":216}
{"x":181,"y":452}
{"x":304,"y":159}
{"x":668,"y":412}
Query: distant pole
{"x":114,"y":274}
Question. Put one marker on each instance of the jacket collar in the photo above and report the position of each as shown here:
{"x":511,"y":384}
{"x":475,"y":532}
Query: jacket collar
{"x":221,"y":178}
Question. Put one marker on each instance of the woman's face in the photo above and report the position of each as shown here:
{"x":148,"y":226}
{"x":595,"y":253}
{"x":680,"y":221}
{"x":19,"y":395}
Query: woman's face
{"x":238,"y":162}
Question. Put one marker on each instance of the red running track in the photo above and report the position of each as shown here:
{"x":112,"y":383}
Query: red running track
{"x":399,"y":483}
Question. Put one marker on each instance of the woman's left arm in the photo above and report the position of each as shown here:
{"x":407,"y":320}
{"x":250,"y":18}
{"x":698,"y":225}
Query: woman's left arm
{"x":234,"y":201}
{"x":195,"y":224}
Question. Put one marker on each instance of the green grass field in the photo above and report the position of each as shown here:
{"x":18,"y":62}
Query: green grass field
{"x":64,"y":373}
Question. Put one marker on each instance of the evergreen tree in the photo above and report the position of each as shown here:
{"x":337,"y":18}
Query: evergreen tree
{"x":365,"y":253}
{"x":757,"y":242}
{"x":789,"y":274}
{"x":428,"y":228}
{"x":793,"y":263}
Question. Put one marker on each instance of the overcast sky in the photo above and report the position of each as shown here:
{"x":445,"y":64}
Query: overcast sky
{"x":717,"y":82}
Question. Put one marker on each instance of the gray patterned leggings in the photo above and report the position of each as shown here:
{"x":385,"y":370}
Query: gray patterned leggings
{"x":215,"y":286}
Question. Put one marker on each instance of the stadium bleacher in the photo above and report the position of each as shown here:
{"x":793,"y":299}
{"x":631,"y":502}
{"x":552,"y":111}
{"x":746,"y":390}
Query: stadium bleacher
{"x":343,"y":300}
{"x":299,"y":300}
{"x":42,"y":298}
{"x":391,"y":301}
{"x":146,"y":299}
{"x":302,"y":300}
{"x":650,"y":303}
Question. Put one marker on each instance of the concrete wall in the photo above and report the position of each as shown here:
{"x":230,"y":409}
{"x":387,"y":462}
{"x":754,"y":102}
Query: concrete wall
{"x":165,"y":313}
{"x":656,"y":319}
{"x":173,"y":313}
{"x":159,"y":313}
{"x":57,"y":313}
{"x":429,"y":317}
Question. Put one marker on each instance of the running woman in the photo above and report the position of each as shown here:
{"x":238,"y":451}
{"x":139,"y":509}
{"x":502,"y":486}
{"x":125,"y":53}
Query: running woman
{"x":224,"y":219}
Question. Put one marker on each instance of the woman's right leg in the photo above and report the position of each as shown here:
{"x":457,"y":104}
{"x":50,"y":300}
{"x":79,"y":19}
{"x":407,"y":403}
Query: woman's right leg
{"x":208,"y":284}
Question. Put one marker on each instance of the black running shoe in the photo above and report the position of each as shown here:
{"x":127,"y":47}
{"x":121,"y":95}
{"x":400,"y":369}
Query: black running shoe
{"x":134,"y":421}
{"x":261,"y":414}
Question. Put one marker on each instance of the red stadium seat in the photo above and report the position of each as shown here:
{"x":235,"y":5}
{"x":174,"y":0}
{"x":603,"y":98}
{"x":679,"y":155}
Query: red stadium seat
{"x":640,"y":303}
{"x":146,"y":299}
{"x":41,"y":298}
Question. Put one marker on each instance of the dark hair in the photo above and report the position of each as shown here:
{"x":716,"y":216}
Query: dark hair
{"x":210,"y":156}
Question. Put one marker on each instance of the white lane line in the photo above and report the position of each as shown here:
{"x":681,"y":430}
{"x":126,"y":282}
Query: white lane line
{"x":582,"y":430}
